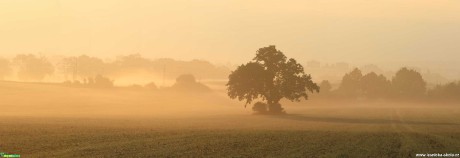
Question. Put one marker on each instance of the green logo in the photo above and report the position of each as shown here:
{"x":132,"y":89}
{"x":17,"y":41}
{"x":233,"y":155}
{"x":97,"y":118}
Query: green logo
{"x":4,"y":155}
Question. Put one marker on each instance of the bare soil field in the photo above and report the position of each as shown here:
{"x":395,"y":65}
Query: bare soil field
{"x":39,"y":120}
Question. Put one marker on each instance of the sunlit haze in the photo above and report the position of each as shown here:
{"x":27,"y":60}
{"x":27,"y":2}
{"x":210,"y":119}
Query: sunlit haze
{"x":230,"y":78}
{"x":359,"y":31}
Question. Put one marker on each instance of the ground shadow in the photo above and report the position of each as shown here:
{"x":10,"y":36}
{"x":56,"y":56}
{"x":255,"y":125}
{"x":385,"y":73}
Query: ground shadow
{"x":299,"y":117}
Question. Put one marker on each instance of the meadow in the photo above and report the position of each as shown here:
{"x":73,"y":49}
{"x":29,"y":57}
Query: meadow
{"x":51,"y":120}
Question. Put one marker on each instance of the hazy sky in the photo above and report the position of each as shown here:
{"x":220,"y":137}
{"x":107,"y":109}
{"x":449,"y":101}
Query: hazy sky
{"x":232,"y":30}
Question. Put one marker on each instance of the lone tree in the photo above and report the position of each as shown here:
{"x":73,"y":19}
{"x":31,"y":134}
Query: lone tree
{"x":271,"y":77}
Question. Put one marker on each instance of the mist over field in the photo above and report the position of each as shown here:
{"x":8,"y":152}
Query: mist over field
{"x":229,"y":78}
{"x":133,"y":106}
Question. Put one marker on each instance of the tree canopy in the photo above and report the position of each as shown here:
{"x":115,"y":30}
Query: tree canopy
{"x":375,"y":86}
{"x":351,"y":83}
{"x":271,"y":77}
{"x":408,"y":83}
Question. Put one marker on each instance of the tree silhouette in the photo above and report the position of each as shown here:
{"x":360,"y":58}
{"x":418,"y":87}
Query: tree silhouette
{"x":408,"y":83}
{"x":351,"y":83}
{"x":375,"y":86}
{"x":271,"y":77}
{"x":188,"y":83}
{"x":83,"y":66}
{"x":447,"y":92}
{"x":260,"y":107}
{"x":32,"y":67}
{"x":99,"y":81}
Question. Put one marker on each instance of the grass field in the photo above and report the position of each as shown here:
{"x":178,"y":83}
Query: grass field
{"x":54,"y":121}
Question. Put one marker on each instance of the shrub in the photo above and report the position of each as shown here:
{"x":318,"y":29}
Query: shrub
{"x":260,"y":107}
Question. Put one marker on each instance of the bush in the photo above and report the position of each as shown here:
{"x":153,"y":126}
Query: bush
{"x":276,"y":109}
{"x":188,"y":83}
{"x":260,"y":107}
{"x":102,"y":82}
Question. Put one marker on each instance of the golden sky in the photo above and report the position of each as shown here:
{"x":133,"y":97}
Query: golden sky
{"x":231,"y":30}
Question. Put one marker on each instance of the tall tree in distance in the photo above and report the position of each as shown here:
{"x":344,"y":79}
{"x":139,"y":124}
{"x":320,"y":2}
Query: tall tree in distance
{"x":408,"y":83}
{"x":351,"y":83}
{"x":32,"y":67}
{"x":271,"y":77}
{"x":375,"y":86}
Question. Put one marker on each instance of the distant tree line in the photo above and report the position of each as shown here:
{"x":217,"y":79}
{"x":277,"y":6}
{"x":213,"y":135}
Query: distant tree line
{"x":335,"y":71}
{"x":92,"y":71}
{"x":98,"y":81}
{"x":406,"y":84}
{"x":30,"y":67}
{"x":184,"y":83}
{"x":85,"y":66}
{"x":446,"y":92}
